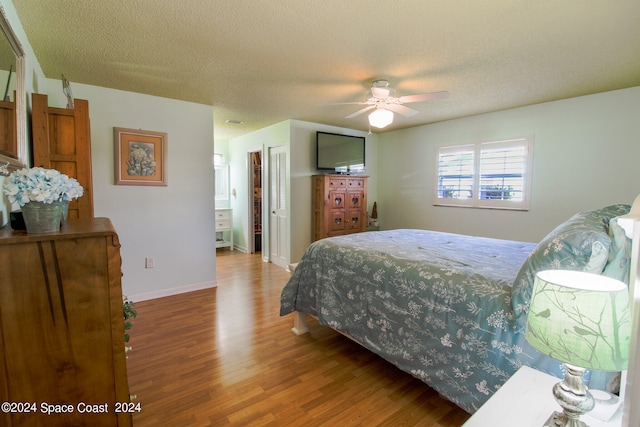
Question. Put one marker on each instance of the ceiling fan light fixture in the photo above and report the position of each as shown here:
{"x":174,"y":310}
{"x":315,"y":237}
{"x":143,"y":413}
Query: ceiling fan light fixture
{"x":380,"y":118}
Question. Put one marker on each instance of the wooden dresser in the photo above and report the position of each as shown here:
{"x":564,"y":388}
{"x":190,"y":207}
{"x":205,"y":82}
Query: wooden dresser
{"x":62,"y":328}
{"x":339,"y":205}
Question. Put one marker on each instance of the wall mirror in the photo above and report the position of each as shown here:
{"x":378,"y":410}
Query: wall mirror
{"x":12,"y":57}
{"x":222,"y":182}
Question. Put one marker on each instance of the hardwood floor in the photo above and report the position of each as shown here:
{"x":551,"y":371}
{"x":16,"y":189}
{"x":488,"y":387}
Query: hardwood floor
{"x":224,"y":356}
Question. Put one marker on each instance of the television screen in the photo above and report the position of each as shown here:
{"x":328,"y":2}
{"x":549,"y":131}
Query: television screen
{"x":339,"y":153}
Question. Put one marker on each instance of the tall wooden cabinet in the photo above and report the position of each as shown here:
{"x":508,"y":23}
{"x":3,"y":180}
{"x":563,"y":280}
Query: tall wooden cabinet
{"x":62,"y":141}
{"x":339,"y":205}
{"x":61,"y":326}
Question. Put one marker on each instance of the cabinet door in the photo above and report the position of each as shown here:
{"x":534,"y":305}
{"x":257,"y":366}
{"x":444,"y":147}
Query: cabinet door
{"x":355,"y":200}
{"x":337,"y":222}
{"x":354,"y":221}
{"x":337,"y":199}
{"x":62,"y":141}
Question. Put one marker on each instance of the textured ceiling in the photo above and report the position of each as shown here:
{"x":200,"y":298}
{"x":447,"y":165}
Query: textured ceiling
{"x":262,"y":62}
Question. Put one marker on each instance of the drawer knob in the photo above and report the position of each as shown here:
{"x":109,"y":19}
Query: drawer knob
{"x":354,"y":200}
{"x":338,"y":201}
{"x":337,"y":220}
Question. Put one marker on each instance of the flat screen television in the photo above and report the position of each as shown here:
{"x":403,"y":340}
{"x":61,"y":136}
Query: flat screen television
{"x":339,"y":153}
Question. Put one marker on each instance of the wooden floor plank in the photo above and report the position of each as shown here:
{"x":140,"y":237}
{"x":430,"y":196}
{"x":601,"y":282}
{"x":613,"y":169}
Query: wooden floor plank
{"x":224,"y":356}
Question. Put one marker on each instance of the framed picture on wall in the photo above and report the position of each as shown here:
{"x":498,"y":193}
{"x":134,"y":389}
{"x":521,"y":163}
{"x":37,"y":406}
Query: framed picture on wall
{"x":140,"y":157}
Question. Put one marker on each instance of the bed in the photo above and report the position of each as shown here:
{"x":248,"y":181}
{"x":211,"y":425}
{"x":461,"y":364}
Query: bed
{"x":449,"y":309}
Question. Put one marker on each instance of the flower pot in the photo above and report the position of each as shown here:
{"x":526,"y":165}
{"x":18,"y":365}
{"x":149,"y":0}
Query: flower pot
{"x":65,"y":212}
{"x":42,"y":217}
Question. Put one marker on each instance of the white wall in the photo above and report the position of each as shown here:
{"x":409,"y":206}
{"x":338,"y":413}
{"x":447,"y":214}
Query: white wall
{"x":586,"y":153}
{"x":173,"y":224}
{"x":299,"y":138}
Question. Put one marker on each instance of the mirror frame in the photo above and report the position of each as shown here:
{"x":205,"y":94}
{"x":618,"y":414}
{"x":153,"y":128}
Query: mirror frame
{"x":20,"y":99}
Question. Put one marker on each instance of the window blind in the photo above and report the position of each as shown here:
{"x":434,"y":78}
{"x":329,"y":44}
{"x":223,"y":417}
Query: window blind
{"x":489,"y":174}
{"x":456,"y":173}
{"x":502,"y":170}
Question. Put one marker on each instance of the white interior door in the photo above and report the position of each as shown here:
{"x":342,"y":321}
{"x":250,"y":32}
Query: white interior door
{"x":278,"y":206}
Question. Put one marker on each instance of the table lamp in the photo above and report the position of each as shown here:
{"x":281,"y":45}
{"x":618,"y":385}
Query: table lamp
{"x":583,"y":320}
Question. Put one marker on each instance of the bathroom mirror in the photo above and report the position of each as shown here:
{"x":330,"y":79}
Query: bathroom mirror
{"x":10,"y":47}
{"x":222,"y":182}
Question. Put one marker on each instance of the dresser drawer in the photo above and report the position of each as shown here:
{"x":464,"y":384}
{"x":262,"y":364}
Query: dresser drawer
{"x":338,"y":183}
{"x":356,"y":183}
{"x":223,"y":224}
{"x":223,"y":214}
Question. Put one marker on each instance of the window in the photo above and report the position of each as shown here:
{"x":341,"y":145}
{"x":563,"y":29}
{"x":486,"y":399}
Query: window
{"x":493,"y":174}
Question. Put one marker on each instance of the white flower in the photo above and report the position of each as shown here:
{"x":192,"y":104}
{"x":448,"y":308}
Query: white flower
{"x":72,"y":189}
{"x":40,"y":185}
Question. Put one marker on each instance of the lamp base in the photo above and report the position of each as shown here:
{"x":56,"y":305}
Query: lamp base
{"x":559,"y":419}
{"x":574,"y":398}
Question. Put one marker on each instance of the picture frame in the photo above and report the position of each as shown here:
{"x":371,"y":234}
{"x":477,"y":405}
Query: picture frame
{"x":140,"y":157}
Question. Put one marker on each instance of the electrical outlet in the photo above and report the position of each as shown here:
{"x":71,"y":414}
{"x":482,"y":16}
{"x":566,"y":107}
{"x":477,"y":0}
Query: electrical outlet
{"x":149,"y":262}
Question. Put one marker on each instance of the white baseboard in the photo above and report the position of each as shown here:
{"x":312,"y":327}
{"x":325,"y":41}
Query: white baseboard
{"x":172,"y":291}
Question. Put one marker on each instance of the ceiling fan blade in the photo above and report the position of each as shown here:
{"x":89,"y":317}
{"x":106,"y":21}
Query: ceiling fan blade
{"x":357,"y":113}
{"x":424,"y":97}
{"x":401,"y":109}
{"x":345,"y":103}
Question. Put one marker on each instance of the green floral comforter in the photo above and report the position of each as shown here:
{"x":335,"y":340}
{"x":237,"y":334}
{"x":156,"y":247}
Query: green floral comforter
{"x":437,"y":305}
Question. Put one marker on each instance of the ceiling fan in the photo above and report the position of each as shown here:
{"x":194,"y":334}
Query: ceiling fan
{"x":381,"y":98}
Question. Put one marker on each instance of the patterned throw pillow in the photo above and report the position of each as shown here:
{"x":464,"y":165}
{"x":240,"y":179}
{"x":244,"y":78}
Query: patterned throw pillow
{"x":581,"y":243}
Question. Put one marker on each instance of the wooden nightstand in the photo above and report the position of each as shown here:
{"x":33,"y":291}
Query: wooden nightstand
{"x":526,"y":400}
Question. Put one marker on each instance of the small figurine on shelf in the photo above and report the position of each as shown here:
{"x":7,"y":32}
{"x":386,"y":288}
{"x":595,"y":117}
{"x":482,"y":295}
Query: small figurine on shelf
{"x":374,"y":214}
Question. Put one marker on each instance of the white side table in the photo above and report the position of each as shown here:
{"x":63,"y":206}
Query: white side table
{"x":224,"y":223}
{"x":526,"y":400}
